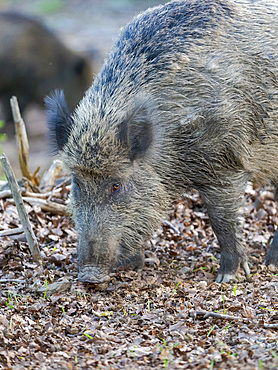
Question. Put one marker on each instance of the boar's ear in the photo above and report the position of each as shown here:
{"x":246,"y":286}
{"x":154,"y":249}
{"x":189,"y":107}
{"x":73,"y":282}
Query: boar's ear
{"x":136,"y":132}
{"x":59,"y":120}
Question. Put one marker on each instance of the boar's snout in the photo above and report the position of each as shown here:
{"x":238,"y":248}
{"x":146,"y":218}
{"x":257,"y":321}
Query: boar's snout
{"x":93,"y":274}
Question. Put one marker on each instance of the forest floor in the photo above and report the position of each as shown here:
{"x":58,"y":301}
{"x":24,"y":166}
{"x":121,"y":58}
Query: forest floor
{"x":172,"y":315}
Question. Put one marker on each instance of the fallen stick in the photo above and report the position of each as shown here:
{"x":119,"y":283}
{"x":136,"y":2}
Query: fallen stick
{"x":207,"y":314}
{"x":44,"y":204}
{"x":12,"y":281}
{"x":21,"y":138}
{"x":51,"y":174}
{"x":30,"y":236}
{"x":5,"y":194}
{"x":60,"y":186}
{"x":271,"y":326}
{"x":15,"y":231}
{"x":169,"y":224}
{"x":28,"y":194}
{"x":217,"y":315}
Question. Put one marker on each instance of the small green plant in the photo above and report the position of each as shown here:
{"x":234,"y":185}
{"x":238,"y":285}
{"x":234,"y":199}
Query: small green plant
{"x":125,"y":313}
{"x":63,"y":310}
{"x":234,"y":289}
{"x":210,"y":331}
{"x":201,"y":268}
{"x":211,"y":364}
{"x":149,"y":305}
{"x":131,"y":351}
{"x":176,"y":288}
{"x":166,"y":360}
{"x":254,"y":274}
{"x":261,"y":365}
{"x":87,"y":335}
{"x":81,"y":294}
{"x":265,"y":308}
{"x":12,"y":298}
{"x":78,"y":295}
{"x":44,"y":296}
{"x":10,"y":301}
{"x":223,"y":301}
{"x":274,"y":355}
{"x":172,"y":263}
{"x":228,"y":326}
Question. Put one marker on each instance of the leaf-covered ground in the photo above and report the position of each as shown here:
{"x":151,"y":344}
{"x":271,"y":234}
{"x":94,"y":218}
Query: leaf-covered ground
{"x":153,"y":319}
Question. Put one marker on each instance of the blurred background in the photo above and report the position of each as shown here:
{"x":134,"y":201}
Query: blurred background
{"x":48,"y":44}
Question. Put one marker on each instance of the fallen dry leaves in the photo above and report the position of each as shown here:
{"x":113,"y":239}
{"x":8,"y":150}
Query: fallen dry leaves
{"x":171,"y":315}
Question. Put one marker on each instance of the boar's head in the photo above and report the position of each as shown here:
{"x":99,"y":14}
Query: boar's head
{"x":117,"y":197}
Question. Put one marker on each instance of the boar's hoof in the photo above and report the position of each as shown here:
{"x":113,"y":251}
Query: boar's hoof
{"x":92,"y":274}
{"x":272,"y":256}
{"x":271,"y":267}
{"x":225,"y":278}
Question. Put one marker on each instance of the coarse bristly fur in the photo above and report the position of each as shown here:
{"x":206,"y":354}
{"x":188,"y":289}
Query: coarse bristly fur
{"x":187,"y":98}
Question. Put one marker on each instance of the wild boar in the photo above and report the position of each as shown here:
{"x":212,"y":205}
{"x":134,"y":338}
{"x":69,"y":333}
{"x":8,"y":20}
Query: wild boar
{"x":187,"y":99}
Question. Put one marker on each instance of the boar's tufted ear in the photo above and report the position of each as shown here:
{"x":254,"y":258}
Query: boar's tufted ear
{"x":59,"y":120}
{"x":136,"y":132}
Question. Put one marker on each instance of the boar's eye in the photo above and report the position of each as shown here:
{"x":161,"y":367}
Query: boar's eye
{"x":115,"y":188}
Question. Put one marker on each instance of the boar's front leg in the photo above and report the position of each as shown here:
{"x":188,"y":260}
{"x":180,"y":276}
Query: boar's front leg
{"x":222,"y":204}
{"x":272,"y":255}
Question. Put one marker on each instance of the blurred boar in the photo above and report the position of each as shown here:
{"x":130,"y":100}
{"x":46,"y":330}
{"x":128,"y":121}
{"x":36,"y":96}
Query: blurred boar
{"x":187,"y":98}
{"x":33,"y":62}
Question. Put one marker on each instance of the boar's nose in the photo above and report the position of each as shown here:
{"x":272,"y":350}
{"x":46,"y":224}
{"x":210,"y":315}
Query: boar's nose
{"x":93,"y":274}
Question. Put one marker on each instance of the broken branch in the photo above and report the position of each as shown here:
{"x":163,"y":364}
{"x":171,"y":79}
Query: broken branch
{"x":30,"y":236}
{"x":207,"y":314}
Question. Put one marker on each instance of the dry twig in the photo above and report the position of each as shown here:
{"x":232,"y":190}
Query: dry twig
{"x":5,"y":193}
{"x":50,"y":175}
{"x":271,"y":326}
{"x":15,"y":231}
{"x":207,"y":314}
{"x":4,"y":281}
{"x":30,"y":236}
{"x":169,"y":224}
{"x":21,"y":138}
{"x":46,"y":205}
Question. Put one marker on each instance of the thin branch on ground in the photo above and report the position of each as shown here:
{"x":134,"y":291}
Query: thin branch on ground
{"x":271,"y":326}
{"x":21,"y":138}
{"x":30,"y":236}
{"x":207,"y":314}
{"x":15,"y":231}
